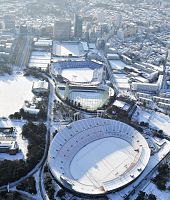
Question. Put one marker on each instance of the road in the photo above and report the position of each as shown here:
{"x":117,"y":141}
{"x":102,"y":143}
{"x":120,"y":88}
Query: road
{"x":24,"y":51}
{"x":48,"y":139}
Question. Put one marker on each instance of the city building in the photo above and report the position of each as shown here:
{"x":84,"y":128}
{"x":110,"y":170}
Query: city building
{"x":148,"y":87}
{"x":78,"y":25}
{"x":10,"y":147}
{"x":8,"y":143}
{"x":62,"y":30}
{"x":9,"y":22}
{"x":40,"y":88}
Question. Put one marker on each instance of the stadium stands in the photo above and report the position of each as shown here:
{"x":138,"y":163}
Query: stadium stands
{"x":107,"y":172}
{"x":76,"y":64}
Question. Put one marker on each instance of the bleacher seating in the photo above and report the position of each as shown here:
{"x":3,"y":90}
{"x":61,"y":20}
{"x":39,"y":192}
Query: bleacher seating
{"x":77,"y":64}
{"x":68,"y":142}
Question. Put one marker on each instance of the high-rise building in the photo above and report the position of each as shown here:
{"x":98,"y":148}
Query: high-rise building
{"x":9,"y":22}
{"x":62,"y":30}
{"x":118,"y":21}
{"x":78,"y":25}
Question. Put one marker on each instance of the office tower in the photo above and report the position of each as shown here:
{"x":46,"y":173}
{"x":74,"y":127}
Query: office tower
{"x":62,"y":29}
{"x":78,"y":23}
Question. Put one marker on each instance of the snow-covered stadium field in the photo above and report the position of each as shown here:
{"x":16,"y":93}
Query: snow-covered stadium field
{"x":78,"y":74}
{"x":102,"y":160}
{"x":79,"y":71}
{"x":14,"y":90}
{"x":94,"y":156}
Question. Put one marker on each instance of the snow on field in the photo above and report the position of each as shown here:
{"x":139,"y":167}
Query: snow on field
{"x":22,"y":143}
{"x":78,"y":74}
{"x":14,"y":90}
{"x":67,"y":48}
{"x":102,"y":160}
{"x":88,"y":99}
{"x":160,"y":195}
{"x":117,"y":64}
{"x":155,"y":119}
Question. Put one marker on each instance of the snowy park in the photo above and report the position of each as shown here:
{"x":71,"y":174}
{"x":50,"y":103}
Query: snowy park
{"x":14,"y":90}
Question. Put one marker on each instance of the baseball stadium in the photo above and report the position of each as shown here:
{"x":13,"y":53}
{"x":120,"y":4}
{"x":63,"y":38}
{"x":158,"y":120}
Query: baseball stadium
{"x":79,"y":72}
{"x":82,"y":82}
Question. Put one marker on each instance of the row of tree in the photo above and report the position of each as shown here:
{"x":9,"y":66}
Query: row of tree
{"x":11,"y":196}
{"x":162,"y":177}
{"x":42,"y":115}
{"x":29,"y":185}
{"x":48,"y":183}
{"x":145,"y":196}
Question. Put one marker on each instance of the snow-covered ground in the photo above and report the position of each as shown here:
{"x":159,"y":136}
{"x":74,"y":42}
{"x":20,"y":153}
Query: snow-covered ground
{"x":160,"y":195}
{"x":156,"y":120}
{"x":14,"y":90}
{"x":67,"y":48}
{"x":102,"y":160}
{"x":22,"y":143}
{"x":78,"y":74}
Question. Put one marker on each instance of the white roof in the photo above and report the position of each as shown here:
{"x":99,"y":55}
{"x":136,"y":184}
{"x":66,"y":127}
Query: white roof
{"x":121,"y":104}
{"x":40,"y":85}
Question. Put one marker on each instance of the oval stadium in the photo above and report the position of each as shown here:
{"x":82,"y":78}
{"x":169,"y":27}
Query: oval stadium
{"x":95,"y":156}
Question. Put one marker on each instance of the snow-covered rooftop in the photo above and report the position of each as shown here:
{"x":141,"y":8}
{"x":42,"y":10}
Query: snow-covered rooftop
{"x":69,"y":48}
